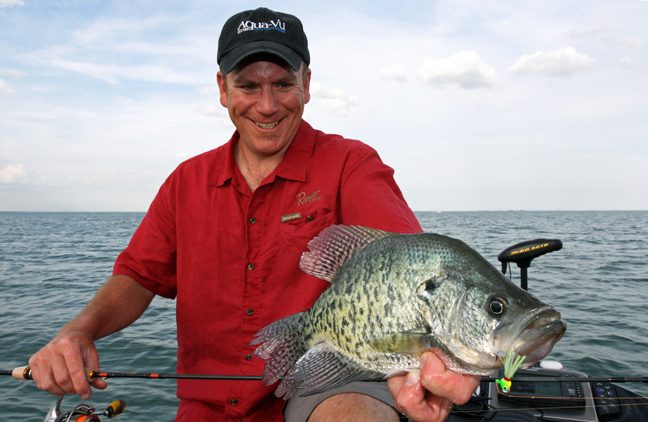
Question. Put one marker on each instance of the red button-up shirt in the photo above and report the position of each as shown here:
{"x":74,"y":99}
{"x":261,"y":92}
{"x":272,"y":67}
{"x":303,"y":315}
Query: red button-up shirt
{"x":230,"y":256}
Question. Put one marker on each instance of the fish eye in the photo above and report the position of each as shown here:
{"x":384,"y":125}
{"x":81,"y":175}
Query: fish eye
{"x":430,"y":285}
{"x":497,"y":306}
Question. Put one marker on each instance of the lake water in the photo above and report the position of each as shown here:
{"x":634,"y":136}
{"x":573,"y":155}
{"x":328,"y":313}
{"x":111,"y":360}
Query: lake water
{"x":52,"y":263}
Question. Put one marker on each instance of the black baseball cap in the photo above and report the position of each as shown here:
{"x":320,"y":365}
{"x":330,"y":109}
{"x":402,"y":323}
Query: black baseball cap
{"x":262,"y":31}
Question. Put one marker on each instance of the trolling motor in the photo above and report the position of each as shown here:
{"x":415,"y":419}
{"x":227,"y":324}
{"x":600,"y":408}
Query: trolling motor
{"x":523,"y":253}
{"x":83,"y":412}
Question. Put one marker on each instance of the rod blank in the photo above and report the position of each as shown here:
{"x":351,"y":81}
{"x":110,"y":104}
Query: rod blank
{"x":24,"y":373}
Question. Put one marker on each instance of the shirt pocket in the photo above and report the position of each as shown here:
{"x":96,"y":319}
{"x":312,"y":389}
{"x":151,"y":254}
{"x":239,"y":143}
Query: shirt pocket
{"x":298,"y":232}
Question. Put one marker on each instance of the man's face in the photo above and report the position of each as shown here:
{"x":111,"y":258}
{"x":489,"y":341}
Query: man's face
{"x":265,"y":100}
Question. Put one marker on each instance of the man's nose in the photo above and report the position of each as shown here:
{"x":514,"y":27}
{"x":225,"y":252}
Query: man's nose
{"x":267,"y":103}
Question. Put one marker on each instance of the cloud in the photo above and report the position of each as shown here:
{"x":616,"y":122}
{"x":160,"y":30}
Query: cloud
{"x":211,"y":111}
{"x":629,"y":62}
{"x":11,"y":174}
{"x":12,"y":72}
{"x":581,"y":32}
{"x":335,"y":100}
{"x":113,"y":73}
{"x":5,"y":88}
{"x":563,"y":62}
{"x":394,"y":73}
{"x":465,"y":69}
{"x":9,"y":3}
{"x":208,"y":90}
{"x":627,"y":41}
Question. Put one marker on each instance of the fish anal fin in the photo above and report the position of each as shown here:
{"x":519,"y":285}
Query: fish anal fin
{"x":320,"y":369}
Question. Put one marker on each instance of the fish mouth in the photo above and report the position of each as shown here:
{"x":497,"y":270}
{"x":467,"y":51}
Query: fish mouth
{"x":538,"y":333}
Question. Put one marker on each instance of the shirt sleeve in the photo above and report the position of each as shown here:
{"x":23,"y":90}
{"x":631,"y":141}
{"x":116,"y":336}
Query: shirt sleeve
{"x":150,"y":257}
{"x":370,"y":197}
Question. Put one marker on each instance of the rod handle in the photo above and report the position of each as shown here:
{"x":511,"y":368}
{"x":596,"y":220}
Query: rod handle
{"x":22,"y":373}
{"x":25,"y":373}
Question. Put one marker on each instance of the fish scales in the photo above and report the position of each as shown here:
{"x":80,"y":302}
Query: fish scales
{"x":393,"y":297}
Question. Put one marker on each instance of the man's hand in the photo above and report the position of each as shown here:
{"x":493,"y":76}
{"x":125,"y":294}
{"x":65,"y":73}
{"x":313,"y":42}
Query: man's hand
{"x":429,"y":397}
{"x":59,"y":367}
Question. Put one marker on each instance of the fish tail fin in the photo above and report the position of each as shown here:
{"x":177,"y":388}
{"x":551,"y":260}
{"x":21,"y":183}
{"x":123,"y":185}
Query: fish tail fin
{"x":280,"y":345}
{"x":334,"y":245}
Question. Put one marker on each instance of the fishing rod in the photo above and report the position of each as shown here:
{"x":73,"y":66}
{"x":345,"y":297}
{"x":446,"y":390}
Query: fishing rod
{"x":24,"y":373}
{"x":477,"y":405}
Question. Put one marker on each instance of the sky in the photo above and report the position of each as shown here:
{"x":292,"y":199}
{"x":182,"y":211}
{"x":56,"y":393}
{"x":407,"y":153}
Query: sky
{"x":477,"y":105}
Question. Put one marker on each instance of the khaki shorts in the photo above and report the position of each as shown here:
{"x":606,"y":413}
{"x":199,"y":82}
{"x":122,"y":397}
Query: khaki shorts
{"x":298,"y":409}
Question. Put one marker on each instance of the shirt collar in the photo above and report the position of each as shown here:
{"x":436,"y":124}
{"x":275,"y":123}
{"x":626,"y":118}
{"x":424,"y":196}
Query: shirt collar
{"x":292,"y":167}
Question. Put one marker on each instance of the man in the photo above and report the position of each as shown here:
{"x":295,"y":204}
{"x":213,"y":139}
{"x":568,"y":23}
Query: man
{"x":224,"y":236}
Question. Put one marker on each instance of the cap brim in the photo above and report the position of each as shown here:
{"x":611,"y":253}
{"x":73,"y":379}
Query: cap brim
{"x":235,"y":56}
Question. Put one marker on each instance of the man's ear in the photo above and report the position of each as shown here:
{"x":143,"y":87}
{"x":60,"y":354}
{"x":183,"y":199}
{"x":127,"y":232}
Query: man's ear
{"x":220,"y":78}
{"x":307,"y":87}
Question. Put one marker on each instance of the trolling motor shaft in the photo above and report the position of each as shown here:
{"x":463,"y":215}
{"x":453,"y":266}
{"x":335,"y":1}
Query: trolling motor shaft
{"x":523,"y":253}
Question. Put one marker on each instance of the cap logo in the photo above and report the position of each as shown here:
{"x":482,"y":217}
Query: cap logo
{"x":262,"y":26}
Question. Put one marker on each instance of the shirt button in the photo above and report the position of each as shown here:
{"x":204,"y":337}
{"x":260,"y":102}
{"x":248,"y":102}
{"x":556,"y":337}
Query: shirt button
{"x":250,"y":312}
{"x":252,"y":220}
{"x":248,"y":357}
{"x":234,"y":402}
{"x":250,"y":267}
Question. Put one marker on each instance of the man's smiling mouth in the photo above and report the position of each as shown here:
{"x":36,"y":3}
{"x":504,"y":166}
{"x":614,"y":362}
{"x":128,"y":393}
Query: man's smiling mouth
{"x":267,"y":125}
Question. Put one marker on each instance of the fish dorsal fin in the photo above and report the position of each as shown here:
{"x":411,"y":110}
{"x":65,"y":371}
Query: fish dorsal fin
{"x":334,"y":245}
{"x":320,"y":369}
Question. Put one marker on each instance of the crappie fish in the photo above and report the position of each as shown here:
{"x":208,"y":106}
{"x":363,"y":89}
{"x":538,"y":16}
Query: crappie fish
{"x":393,"y":297}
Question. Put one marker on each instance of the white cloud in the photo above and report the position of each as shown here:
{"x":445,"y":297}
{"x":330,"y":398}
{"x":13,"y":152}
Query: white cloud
{"x":12,"y":72}
{"x":563,"y":62}
{"x":465,"y":69}
{"x":629,"y":62}
{"x":9,"y":3}
{"x":5,"y":88}
{"x":587,"y":32}
{"x":335,"y":100}
{"x":394,"y":73}
{"x":11,"y":174}
{"x":113,"y":73}
{"x":211,"y":111}
{"x":627,"y":41}
{"x":208,"y":90}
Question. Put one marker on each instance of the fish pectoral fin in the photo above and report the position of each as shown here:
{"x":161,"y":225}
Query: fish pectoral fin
{"x":407,"y":342}
{"x":323,"y":368}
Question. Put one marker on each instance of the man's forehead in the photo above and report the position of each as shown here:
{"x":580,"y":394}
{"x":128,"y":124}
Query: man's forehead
{"x":263,"y":57}
{"x":260,"y":69}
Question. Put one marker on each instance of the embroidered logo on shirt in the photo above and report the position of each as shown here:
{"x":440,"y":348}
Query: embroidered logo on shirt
{"x":303,"y":198}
